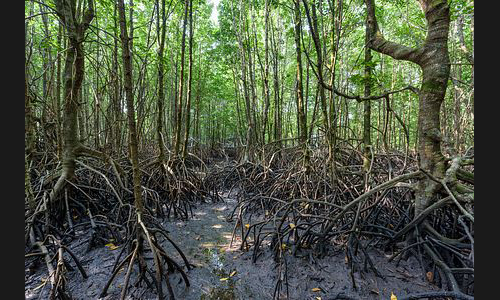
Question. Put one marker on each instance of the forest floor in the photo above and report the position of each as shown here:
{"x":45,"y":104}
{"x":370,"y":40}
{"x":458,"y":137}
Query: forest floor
{"x":223,"y":271}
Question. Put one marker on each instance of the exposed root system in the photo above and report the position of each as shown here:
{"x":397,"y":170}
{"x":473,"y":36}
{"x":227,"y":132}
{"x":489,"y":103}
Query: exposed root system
{"x":307,"y":212}
{"x":294,"y":211}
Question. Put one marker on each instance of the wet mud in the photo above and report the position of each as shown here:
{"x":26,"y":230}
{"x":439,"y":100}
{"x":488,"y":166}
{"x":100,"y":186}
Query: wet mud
{"x":222,"y":271}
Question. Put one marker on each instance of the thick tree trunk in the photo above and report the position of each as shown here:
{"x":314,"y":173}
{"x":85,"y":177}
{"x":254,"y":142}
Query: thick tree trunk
{"x":435,"y":66}
{"x":70,"y":112}
{"x":434,"y":61}
{"x":73,"y":78}
{"x":429,"y":147}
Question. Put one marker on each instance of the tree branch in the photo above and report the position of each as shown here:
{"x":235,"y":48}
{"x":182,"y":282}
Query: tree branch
{"x":378,"y":43}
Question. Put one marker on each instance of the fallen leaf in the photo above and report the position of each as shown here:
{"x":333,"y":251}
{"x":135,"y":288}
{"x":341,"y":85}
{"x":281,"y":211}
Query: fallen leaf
{"x":283,"y":246}
{"x":247,"y":225}
{"x":318,"y":298}
{"x":430,"y":276}
{"x":393,"y":297}
{"x":111,"y":246}
{"x":315,"y":289}
{"x":232,"y":274}
{"x":292,"y":225}
{"x":224,"y":279}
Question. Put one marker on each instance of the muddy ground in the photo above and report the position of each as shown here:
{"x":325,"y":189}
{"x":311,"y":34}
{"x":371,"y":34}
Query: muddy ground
{"x":224,"y":272}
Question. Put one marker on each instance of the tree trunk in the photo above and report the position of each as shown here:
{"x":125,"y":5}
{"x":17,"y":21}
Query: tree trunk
{"x":301,"y":116}
{"x":190,"y":79}
{"x":251,"y":75}
{"x":128,"y":85}
{"x":313,"y":24}
{"x":178,"y":121}
{"x":266,"y":71}
{"x":72,"y":77}
{"x":249,"y":147}
{"x":367,"y":109}
{"x":117,"y":106}
{"x":70,"y":110}
{"x":277,"y":101}
{"x":433,"y":59}
{"x":161,"y":92}
{"x":58,"y":93}
{"x":197,"y":133}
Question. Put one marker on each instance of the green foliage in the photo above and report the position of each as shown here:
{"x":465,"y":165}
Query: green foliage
{"x":217,"y":62}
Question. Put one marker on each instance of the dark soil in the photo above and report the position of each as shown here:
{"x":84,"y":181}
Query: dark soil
{"x":224,"y":272}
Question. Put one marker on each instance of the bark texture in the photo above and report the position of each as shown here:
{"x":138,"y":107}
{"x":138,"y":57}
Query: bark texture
{"x":127,"y":69}
{"x":433,"y":59}
{"x":73,"y":75}
{"x":299,"y":91}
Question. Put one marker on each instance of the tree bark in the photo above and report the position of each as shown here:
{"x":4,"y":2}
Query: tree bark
{"x":277,"y":105}
{"x":313,"y":24}
{"x":72,"y":77}
{"x":249,"y":147}
{"x":178,"y":121}
{"x":301,"y":116}
{"x":266,"y":71}
{"x":190,"y":79}
{"x":117,"y":106}
{"x":367,"y":110}
{"x":128,"y":85}
{"x":433,"y":59}
{"x":161,"y":92}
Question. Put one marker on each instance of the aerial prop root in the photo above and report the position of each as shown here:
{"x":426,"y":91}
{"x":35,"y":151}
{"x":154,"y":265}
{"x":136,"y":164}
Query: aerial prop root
{"x":56,"y":276}
{"x":145,"y":236}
